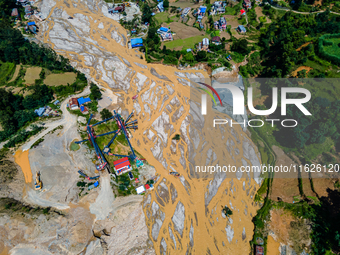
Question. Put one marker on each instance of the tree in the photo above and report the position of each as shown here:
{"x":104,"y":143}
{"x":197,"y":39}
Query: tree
{"x":189,"y":57}
{"x":201,"y":56}
{"x":226,"y":210}
{"x":105,"y":114}
{"x":241,"y":46}
{"x":95,"y":91}
{"x":147,"y":13}
{"x":166,"y":4}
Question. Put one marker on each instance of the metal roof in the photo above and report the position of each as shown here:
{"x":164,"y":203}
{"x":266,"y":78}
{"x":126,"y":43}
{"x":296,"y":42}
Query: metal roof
{"x":82,"y":100}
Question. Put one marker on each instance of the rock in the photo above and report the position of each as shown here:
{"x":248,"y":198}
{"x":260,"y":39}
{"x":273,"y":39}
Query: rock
{"x":178,"y":218}
{"x":82,"y":120}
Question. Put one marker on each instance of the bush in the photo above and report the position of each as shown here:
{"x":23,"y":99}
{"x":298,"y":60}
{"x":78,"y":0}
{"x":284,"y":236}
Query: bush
{"x":105,"y":114}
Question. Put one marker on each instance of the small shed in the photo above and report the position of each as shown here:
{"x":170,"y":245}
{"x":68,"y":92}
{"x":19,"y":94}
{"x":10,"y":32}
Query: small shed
{"x":32,"y":23}
{"x":241,"y":29}
{"x":140,"y":190}
{"x":216,"y":39}
{"x":40,"y":111}
{"x":15,"y":12}
{"x":84,"y":109}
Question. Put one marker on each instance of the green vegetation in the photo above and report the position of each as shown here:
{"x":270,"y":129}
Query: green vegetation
{"x":105,"y":114}
{"x":95,"y":92}
{"x":329,"y":48}
{"x":40,"y":140}
{"x":287,"y":34}
{"x":22,"y":136}
{"x":6,"y":71}
{"x":226,"y":210}
{"x":263,"y":19}
{"x":184,"y":43}
{"x":124,"y":185}
{"x":65,"y":90}
{"x":16,"y":111}
{"x":74,"y":146}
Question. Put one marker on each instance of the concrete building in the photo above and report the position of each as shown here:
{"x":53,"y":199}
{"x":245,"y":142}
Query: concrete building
{"x":122,"y":166}
{"x":73,"y":104}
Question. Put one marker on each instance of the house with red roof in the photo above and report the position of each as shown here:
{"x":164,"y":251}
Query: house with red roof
{"x":122,"y":166}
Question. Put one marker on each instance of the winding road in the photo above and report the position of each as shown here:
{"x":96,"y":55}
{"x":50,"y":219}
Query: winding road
{"x":67,"y":120}
{"x":304,"y":13}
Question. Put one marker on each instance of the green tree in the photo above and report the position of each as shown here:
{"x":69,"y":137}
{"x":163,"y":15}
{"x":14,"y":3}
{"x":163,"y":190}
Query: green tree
{"x":166,"y":4}
{"x":95,"y":91}
{"x":105,"y":114}
{"x":189,"y":57}
{"x":147,"y":13}
{"x":241,"y":46}
{"x":201,"y":56}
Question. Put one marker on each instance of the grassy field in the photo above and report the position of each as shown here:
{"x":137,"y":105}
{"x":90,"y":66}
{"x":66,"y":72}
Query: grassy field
{"x":184,"y":43}
{"x":6,"y":71}
{"x":60,"y":79}
{"x":161,"y":17}
{"x":16,"y":73}
{"x":32,"y":74}
{"x":334,"y":48}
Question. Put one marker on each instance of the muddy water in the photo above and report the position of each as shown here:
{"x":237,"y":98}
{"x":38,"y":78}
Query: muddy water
{"x":21,"y":158}
{"x":95,"y":45}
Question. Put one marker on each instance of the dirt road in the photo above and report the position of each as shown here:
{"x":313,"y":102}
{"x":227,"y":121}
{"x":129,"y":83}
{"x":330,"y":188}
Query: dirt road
{"x":103,"y":204}
{"x":67,"y":120}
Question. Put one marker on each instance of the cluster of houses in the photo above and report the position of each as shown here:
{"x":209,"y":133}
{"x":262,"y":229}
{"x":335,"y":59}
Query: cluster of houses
{"x":218,"y":8}
{"x":123,"y":166}
{"x":165,"y":34}
{"x":200,"y":13}
{"x":29,"y":12}
{"x":47,"y":111}
{"x":204,"y":45}
{"x":79,"y":103}
{"x":247,"y":4}
{"x":220,"y":24}
{"x":31,"y":27}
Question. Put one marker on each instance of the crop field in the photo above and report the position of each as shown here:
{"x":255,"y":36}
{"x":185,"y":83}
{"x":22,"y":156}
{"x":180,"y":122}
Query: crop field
{"x":161,"y":17}
{"x":183,"y":31}
{"x":32,"y":74}
{"x":60,"y":79}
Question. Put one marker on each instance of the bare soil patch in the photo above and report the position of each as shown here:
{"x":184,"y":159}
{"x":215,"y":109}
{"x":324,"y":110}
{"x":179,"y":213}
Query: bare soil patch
{"x":183,"y":31}
{"x":273,"y":246}
{"x":303,"y":45}
{"x":300,"y":68}
{"x":259,"y":13}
